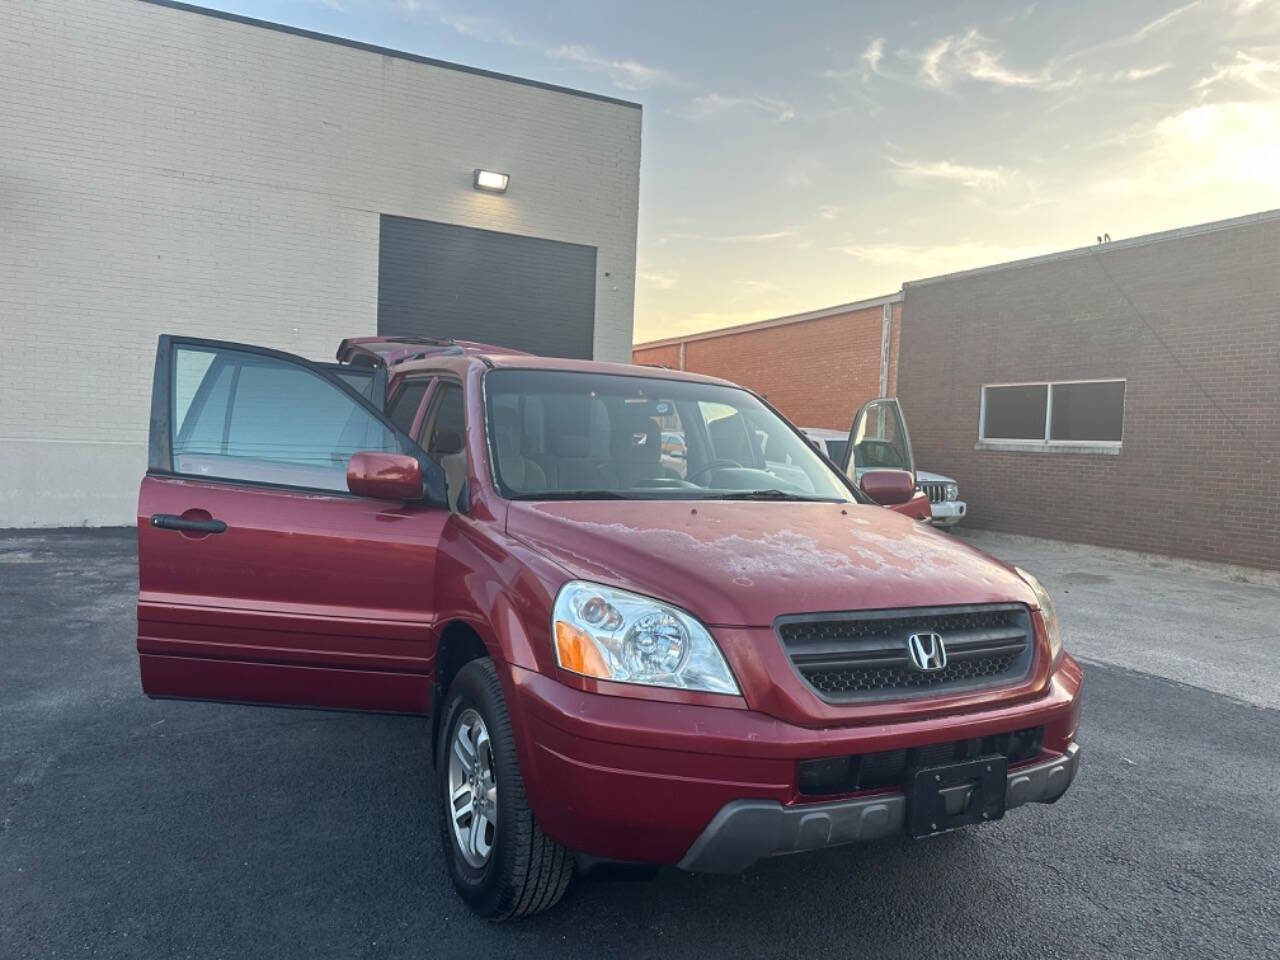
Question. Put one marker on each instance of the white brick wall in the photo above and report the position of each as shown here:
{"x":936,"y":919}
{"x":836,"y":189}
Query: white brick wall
{"x":167,"y":171}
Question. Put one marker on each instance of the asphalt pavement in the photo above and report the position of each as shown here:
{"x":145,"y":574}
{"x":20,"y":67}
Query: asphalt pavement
{"x":139,"y":828}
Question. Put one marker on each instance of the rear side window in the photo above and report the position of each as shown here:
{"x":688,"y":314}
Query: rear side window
{"x":245,"y":416}
{"x":404,"y":408}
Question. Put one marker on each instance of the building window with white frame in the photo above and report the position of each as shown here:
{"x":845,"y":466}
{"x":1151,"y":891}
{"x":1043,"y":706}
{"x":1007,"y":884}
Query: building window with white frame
{"x":1067,"y":414}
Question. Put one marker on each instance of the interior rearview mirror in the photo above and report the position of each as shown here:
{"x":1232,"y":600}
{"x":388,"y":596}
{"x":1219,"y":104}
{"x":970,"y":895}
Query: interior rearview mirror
{"x":887,"y":487}
{"x":385,"y":476}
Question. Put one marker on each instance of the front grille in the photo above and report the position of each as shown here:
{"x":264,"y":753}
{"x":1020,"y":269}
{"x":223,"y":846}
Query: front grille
{"x":847,"y":657}
{"x":937,"y":492}
{"x":889,"y":769}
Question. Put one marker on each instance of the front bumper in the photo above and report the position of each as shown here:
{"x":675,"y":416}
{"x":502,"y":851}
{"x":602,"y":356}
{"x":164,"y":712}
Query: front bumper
{"x":635,"y":779}
{"x":947,"y":513}
{"x":745,"y":831}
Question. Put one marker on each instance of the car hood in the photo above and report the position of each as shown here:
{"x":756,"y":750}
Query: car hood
{"x":745,"y":563}
{"x":932,"y":477}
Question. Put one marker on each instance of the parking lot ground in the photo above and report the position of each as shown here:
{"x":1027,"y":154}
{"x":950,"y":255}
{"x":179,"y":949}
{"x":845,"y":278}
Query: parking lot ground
{"x":138,"y":828}
{"x":1210,"y":626}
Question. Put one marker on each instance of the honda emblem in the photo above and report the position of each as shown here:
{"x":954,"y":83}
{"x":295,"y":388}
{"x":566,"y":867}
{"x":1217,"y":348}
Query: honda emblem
{"x":928,"y":652}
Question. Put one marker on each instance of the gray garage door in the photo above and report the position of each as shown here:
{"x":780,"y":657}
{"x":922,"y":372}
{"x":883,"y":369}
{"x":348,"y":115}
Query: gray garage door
{"x":443,"y":280}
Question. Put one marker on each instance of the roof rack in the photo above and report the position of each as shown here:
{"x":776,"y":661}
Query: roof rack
{"x":444,"y":351}
{"x":431,"y":341}
{"x":385,"y":351}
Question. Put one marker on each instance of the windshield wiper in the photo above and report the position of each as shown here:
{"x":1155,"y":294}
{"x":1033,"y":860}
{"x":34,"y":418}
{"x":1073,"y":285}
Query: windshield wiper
{"x":772,"y":494}
{"x":573,"y":495}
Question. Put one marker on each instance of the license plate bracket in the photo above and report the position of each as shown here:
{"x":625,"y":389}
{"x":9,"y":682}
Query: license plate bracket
{"x":952,"y":795}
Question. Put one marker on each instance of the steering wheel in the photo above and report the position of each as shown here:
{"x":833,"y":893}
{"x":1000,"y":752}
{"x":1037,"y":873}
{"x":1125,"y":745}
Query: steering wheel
{"x":709,"y":466}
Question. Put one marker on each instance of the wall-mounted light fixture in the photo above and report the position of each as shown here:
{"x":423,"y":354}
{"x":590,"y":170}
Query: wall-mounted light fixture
{"x":491,"y":182}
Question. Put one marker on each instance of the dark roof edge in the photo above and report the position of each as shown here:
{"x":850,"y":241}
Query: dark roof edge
{"x":1141,"y":241}
{"x":387,"y":51}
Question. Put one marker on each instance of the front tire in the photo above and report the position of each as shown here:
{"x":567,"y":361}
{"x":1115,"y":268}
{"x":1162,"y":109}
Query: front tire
{"x":500,"y":861}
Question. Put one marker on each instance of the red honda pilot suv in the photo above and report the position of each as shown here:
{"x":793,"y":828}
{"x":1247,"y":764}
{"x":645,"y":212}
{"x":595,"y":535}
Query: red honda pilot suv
{"x":626,"y":662}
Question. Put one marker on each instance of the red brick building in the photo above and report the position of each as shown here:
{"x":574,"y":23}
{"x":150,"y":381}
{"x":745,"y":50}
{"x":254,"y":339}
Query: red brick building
{"x":1125,"y":394}
{"x":818,"y":367}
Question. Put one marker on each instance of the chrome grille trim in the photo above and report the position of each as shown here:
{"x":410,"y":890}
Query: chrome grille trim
{"x":936,"y":492}
{"x":862,"y":655}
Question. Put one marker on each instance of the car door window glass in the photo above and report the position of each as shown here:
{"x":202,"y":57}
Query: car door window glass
{"x":446,"y":439}
{"x":880,"y":441}
{"x":404,"y":408}
{"x":447,"y":420}
{"x":252,"y":417}
{"x":360,"y":379}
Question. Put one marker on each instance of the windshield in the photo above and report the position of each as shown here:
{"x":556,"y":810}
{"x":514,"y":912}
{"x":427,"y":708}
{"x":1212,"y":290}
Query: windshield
{"x":561,"y":435}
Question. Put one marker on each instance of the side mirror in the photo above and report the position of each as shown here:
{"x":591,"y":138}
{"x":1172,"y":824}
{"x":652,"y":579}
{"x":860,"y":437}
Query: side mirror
{"x":888,"y":487}
{"x":385,"y":476}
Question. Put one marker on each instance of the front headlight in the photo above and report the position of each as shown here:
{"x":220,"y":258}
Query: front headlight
{"x":953,"y":491}
{"x":615,"y":635}
{"x":1051,"y":626}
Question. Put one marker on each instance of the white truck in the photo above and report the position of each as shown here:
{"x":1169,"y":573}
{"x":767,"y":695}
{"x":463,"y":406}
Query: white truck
{"x":882,"y":442}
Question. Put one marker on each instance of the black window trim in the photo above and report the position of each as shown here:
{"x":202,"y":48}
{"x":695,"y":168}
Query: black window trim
{"x":1045,"y":443}
{"x":160,"y":438}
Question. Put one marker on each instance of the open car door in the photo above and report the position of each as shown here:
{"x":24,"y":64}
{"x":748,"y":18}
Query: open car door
{"x":368,"y":381}
{"x":878,"y":440}
{"x":265,"y":574}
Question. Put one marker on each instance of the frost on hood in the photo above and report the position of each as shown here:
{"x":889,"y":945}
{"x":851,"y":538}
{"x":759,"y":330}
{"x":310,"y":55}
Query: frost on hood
{"x":846,"y":547}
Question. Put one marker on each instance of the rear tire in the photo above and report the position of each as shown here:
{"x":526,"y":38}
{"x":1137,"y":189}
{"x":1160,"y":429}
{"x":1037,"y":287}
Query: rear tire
{"x":522,"y":871}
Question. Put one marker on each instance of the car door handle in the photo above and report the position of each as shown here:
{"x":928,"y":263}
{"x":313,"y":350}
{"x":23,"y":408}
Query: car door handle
{"x":170,"y":521}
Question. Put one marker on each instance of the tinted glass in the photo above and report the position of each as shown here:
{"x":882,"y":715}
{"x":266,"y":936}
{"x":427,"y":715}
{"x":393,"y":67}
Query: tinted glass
{"x":208,"y":429}
{"x":359,"y":380}
{"x":1014,"y":413}
{"x":449,"y":418}
{"x":243,"y":416}
{"x":404,"y":408}
{"x":593,"y":436}
{"x":1088,"y":411}
{"x":445,"y":442}
{"x":836,"y":449}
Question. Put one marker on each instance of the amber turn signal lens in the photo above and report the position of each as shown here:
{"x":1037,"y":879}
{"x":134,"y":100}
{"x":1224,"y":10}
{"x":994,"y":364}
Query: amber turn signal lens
{"x":578,"y":653}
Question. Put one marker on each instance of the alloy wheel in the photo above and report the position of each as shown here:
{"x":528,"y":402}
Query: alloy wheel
{"x":473,"y":790}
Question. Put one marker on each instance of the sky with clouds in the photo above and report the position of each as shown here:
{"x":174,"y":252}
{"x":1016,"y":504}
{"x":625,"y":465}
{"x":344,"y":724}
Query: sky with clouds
{"x":802,"y":154}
